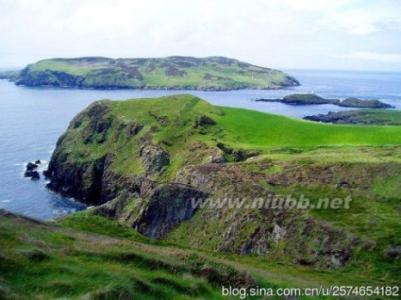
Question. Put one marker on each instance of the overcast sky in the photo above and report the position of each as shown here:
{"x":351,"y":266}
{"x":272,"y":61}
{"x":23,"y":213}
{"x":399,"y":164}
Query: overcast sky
{"x":289,"y":34}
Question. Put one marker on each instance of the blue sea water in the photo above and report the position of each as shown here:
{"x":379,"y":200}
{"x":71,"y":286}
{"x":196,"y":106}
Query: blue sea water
{"x":32,"y":119}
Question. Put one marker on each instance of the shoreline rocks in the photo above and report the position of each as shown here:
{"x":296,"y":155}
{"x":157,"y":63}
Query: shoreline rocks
{"x":31,"y":170}
{"x":363,"y":117}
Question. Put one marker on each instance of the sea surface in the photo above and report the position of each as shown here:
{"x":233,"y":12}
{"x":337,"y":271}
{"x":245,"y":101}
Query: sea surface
{"x":32,"y":119}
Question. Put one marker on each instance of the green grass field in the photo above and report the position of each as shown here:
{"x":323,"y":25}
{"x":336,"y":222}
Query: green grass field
{"x":251,"y":129}
{"x":256,"y":129}
{"x":45,"y":261}
{"x":89,"y":257}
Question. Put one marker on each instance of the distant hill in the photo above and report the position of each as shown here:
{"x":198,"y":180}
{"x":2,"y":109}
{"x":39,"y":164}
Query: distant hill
{"x":175,"y":72}
{"x":9,"y":74}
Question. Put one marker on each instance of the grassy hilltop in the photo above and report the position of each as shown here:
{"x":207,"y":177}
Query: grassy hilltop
{"x":175,"y":72}
{"x":139,"y":162}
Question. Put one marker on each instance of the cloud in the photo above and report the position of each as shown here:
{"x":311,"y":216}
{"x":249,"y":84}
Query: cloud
{"x":375,"y":56}
{"x":366,"y":18}
{"x":316,"y":5}
{"x":275,"y":33}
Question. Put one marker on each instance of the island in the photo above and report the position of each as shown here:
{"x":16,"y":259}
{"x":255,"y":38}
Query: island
{"x":174,"y":72}
{"x":312,"y":99}
{"x":364,"y":116}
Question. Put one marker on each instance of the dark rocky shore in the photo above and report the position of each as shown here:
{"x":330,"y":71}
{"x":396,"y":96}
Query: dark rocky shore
{"x":366,"y":117}
{"x":31,"y":170}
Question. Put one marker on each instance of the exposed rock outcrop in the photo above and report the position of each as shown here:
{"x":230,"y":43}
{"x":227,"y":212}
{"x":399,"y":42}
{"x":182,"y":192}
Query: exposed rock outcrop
{"x":154,"y":158}
{"x":166,"y":207}
{"x":393,"y":253}
{"x":261,"y":231}
{"x":31,"y":170}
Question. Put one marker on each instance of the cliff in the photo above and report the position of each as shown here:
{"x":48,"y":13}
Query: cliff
{"x":144,"y":162}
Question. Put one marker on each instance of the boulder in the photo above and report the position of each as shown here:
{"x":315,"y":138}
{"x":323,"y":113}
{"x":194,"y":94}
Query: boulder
{"x":393,"y":252}
{"x":31,"y":166}
{"x":154,"y":158}
{"x":34,"y":175}
{"x":31,"y":171}
{"x":204,"y":121}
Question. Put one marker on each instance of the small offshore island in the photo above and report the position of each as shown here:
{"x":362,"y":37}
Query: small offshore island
{"x":312,"y":99}
{"x":364,"y":116}
{"x":174,"y":72}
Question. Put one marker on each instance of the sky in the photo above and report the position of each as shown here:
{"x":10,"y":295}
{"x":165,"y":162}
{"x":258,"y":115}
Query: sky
{"x":286,"y":34}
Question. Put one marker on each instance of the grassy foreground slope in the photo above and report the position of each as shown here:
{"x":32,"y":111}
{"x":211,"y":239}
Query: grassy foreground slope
{"x":175,"y":72}
{"x":85,"y":256}
{"x":46,"y":261}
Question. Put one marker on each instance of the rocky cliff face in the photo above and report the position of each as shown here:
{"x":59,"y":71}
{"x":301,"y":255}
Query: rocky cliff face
{"x":127,"y":168}
{"x":263,"y":230}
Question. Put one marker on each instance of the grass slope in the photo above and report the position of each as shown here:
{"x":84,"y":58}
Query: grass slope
{"x":46,"y":261}
{"x":257,"y":129}
{"x":247,"y":128}
{"x":210,"y":73}
{"x":89,"y":257}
